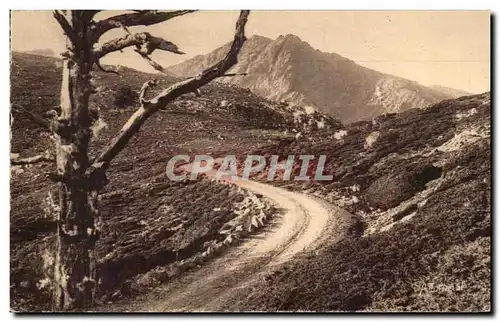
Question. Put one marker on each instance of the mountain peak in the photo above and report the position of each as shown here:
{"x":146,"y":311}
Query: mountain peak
{"x":290,"y":69}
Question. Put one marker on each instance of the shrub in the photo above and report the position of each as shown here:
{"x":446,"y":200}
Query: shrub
{"x":125,"y":96}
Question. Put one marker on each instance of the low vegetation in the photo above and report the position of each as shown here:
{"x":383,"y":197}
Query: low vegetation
{"x":419,"y":183}
{"x":426,"y":213}
{"x":126,"y":96}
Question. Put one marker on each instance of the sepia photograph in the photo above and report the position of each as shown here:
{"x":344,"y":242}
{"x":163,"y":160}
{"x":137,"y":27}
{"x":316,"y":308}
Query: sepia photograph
{"x":250,"y":161}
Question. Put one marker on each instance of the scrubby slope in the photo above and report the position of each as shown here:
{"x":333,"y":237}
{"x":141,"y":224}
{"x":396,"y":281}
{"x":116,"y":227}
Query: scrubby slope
{"x":290,"y":69}
{"x":148,"y":221}
{"x":420,"y":181}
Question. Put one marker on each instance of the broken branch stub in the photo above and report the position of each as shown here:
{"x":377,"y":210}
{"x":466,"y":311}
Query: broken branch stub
{"x":35,"y":118}
{"x":153,"y":64}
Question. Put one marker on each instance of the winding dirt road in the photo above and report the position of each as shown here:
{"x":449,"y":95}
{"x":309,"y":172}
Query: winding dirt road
{"x":302,"y":225}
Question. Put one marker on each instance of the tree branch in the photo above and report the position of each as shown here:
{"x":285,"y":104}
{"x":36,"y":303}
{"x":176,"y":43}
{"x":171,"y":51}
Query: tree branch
{"x":102,"y":69}
{"x":168,"y":95}
{"x":46,"y":157}
{"x":90,"y":13}
{"x":142,"y":18}
{"x":233,"y":74}
{"x":151,"y":62}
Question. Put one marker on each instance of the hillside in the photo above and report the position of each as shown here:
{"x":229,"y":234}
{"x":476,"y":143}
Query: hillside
{"x":149,"y":222}
{"x":453,"y":92}
{"x":289,"y":69}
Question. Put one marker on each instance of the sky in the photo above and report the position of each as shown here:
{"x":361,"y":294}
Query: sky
{"x":448,"y":48}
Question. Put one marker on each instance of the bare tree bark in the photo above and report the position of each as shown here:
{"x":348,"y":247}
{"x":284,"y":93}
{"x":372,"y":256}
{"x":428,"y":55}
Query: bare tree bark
{"x":145,"y":44}
{"x":149,"y":107}
{"x":142,"y":18}
{"x":46,"y":157}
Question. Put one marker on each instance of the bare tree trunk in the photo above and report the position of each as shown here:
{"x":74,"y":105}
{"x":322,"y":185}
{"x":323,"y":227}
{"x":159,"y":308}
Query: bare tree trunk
{"x":75,"y":269}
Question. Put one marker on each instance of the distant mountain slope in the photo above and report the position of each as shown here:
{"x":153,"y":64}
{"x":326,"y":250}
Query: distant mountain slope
{"x":290,"y":69}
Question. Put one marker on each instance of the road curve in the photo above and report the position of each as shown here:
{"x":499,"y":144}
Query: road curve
{"x":302,"y":223}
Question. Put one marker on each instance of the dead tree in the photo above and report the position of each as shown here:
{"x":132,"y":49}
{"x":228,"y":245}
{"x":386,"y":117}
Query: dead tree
{"x":80,"y":179}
